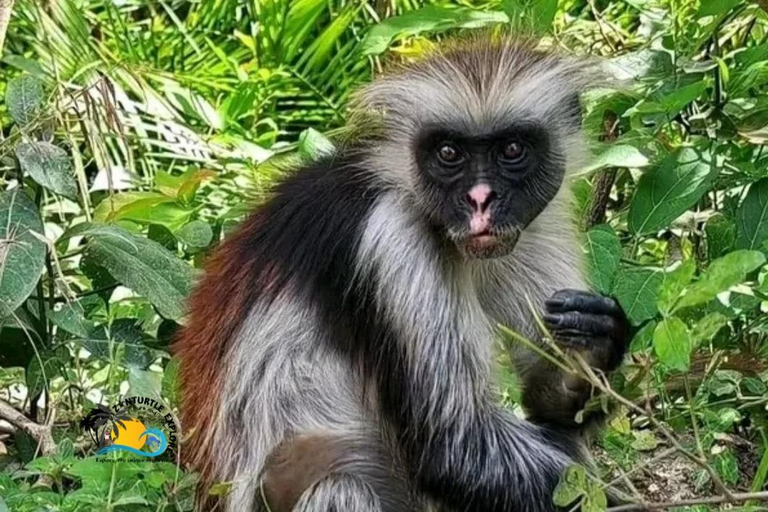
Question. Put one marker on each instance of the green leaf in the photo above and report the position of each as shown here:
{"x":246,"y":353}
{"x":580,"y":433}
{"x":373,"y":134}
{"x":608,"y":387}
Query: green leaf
{"x":595,"y":500}
{"x":674,"y":283}
{"x":22,"y":255}
{"x":603,"y":256}
{"x":196,"y":234}
{"x":637,"y":290}
{"x":24,"y":98}
{"x":722,"y":273}
{"x":705,"y":329}
{"x":153,"y":210}
{"x":643,"y":339}
{"x":48,"y":165}
{"x":715,"y":7}
{"x":144,"y":266}
{"x":727,"y":466}
{"x":572,"y":485}
{"x":124,"y":340}
{"x":673,"y":344}
{"x":666,"y":191}
{"x":427,"y":19}
{"x":617,"y":155}
{"x":752,"y":217}
{"x":171,"y":383}
{"x":71,"y":316}
{"x":721,"y":235}
{"x":644,"y":441}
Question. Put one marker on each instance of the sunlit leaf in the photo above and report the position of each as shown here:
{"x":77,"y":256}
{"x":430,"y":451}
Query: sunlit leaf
{"x":427,"y":19}
{"x":637,"y":289}
{"x":603,"y":249}
{"x":722,"y":273}
{"x":673,"y":344}
{"x":666,"y":191}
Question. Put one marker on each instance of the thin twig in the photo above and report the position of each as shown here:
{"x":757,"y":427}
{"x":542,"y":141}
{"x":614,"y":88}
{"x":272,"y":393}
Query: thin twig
{"x":710,"y":500}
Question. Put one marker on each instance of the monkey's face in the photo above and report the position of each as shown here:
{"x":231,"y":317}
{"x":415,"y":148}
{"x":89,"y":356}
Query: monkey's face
{"x":483,"y":190}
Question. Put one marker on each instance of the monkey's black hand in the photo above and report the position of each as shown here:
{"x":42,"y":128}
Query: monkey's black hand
{"x":590,"y":323}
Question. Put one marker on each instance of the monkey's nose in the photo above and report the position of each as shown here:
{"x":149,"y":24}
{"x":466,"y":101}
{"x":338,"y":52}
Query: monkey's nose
{"x":480,"y":197}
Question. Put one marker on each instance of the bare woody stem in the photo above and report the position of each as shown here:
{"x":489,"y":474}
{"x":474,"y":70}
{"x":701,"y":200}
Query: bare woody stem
{"x":40,"y":433}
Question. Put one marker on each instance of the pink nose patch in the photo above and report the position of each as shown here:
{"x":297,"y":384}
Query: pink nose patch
{"x":478,"y":198}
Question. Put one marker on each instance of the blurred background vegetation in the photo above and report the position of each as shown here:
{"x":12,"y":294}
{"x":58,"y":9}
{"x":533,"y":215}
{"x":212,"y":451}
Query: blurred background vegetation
{"x":137,"y":133}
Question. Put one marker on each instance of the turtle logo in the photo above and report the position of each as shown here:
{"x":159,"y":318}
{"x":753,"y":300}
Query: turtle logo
{"x":116,"y":430}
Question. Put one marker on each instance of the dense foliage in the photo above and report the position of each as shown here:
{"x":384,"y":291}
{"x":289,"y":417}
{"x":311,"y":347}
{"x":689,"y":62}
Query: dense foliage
{"x":136,"y":133}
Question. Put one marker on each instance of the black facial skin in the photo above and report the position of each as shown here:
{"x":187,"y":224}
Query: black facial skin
{"x":518,"y":164}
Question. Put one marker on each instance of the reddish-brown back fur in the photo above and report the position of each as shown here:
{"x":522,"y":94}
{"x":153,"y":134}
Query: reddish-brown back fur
{"x":218,"y":306}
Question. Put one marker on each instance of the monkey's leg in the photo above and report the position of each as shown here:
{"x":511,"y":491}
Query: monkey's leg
{"x":328,"y":471}
{"x":339,"y":492}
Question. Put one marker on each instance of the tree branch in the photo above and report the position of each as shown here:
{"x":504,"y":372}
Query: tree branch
{"x":40,"y":433}
{"x":711,"y":500}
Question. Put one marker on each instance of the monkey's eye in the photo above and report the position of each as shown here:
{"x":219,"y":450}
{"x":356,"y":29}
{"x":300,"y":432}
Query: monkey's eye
{"x":449,"y":154}
{"x":512,"y":152}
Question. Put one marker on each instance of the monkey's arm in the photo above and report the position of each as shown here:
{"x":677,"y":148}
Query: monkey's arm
{"x":591,"y":324}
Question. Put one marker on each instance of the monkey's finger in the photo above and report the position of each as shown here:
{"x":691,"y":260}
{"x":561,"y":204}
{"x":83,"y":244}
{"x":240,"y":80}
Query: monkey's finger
{"x":584,"y":323}
{"x":576,"y":300}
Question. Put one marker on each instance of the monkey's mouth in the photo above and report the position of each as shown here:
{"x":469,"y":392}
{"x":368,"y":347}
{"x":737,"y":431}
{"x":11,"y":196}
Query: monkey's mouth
{"x":490,"y":243}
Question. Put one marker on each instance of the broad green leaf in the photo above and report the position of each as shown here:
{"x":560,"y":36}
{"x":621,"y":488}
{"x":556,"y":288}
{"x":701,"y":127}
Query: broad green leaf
{"x":673,"y":344}
{"x":666,"y":191}
{"x":617,"y":155}
{"x":24,"y":98}
{"x":109,"y":207}
{"x":167,"y":212}
{"x":603,"y":256}
{"x":721,"y":235}
{"x":572,"y":485}
{"x":123,"y":340}
{"x":196,"y":234}
{"x":722,"y":273}
{"x":674,"y":283}
{"x":643,"y":339}
{"x":752,"y":217}
{"x":427,"y":19}
{"x":144,"y":266}
{"x":705,"y":329}
{"x":637,"y":289}
{"x":48,"y":165}
{"x":595,"y":499}
{"x":715,"y":7}
{"x":22,"y":255}
{"x":71,"y":316}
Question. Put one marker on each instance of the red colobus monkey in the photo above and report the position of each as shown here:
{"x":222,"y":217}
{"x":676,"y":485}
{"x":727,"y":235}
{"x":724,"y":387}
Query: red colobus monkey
{"x":339,"y":351}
